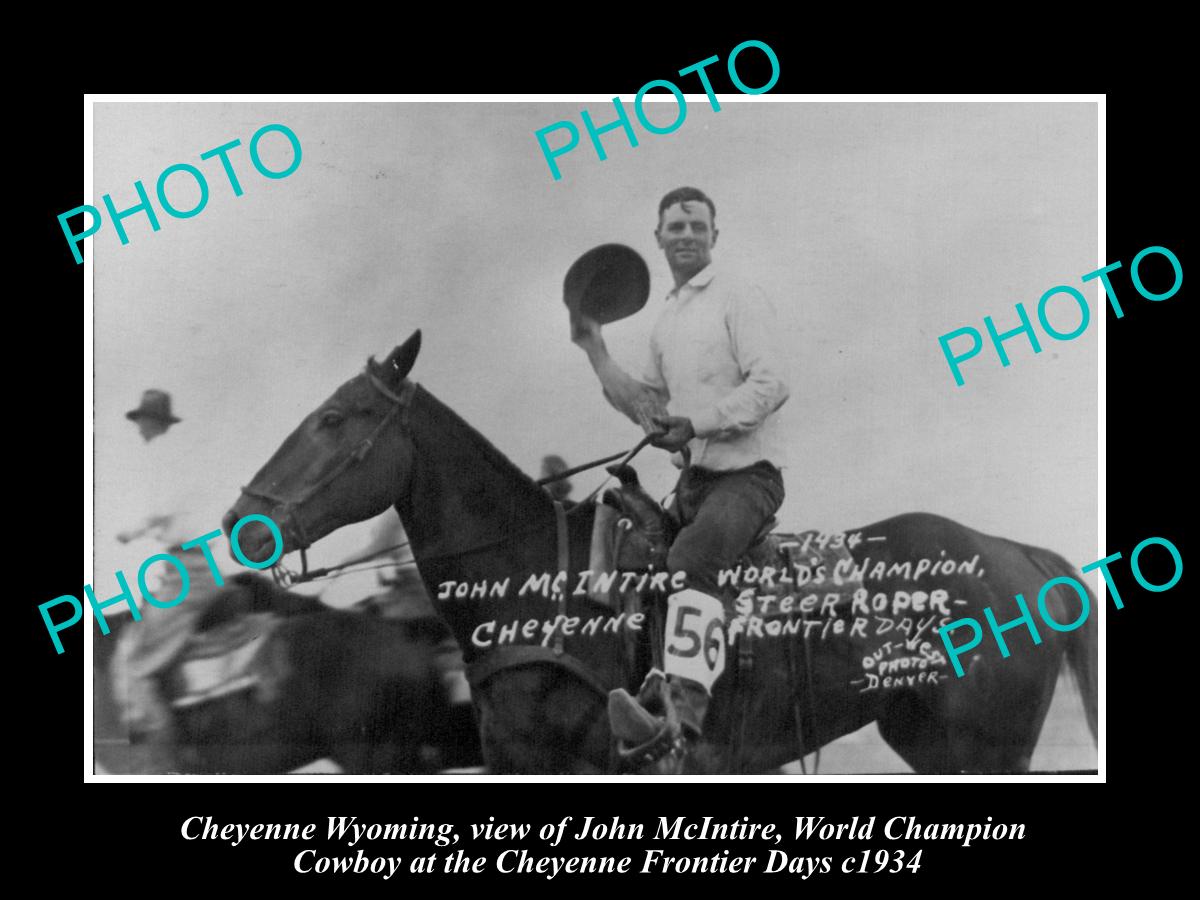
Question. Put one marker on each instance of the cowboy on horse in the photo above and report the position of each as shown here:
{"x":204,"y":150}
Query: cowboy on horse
{"x":709,"y":391}
{"x":551,"y":700}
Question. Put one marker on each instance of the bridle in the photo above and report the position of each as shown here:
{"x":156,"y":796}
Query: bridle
{"x":286,"y":511}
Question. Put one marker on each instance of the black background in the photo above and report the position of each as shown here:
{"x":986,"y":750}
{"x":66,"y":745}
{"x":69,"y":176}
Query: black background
{"x":117,"y":826}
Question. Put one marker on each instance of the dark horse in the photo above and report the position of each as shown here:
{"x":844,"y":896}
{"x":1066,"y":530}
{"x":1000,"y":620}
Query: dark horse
{"x":540,"y":694}
{"x":357,"y":689}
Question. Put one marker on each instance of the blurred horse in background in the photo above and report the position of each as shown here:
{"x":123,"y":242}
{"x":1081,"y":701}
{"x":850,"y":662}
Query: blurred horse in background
{"x":274,"y":680}
{"x":407,"y":600}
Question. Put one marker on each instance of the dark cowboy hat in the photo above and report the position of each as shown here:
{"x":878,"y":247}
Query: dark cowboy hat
{"x":155,"y":405}
{"x":607,"y":283}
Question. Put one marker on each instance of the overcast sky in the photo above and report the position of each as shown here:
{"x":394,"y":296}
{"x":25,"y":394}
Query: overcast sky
{"x":874,"y":227}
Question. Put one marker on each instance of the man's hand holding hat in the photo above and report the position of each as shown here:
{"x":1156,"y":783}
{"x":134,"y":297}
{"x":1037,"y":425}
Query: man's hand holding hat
{"x":585,"y":331}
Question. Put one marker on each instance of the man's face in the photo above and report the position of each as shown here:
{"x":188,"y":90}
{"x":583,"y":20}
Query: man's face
{"x":686,"y":235}
{"x":151,"y":428}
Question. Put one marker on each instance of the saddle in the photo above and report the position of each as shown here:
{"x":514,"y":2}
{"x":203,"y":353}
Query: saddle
{"x":644,"y":531}
{"x":226,"y":659}
{"x":794,"y":571}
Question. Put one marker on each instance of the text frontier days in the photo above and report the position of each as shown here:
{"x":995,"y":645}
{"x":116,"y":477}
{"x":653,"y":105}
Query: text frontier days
{"x":126,"y":596}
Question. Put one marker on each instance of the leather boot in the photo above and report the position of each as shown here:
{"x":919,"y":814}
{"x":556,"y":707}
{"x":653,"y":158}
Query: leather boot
{"x":690,"y":699}
{"x":650,"y":735}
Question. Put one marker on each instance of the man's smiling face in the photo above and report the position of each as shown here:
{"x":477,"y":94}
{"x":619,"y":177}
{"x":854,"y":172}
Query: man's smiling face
{"x":686,"y":235}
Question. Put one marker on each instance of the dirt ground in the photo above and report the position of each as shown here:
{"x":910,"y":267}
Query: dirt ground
{"x":1065,"y":744}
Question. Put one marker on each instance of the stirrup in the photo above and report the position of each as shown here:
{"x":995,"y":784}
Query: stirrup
{"x":649,"y":731}
{"x":644,"y":739}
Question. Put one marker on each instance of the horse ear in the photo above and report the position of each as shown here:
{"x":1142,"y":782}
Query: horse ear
{"x":400,"y":361}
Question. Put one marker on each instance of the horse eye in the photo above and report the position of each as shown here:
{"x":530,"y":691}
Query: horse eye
{"x":331,"y":419}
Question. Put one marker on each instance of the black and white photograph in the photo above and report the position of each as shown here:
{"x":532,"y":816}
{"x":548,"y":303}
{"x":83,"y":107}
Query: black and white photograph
{"x":578,"y":446}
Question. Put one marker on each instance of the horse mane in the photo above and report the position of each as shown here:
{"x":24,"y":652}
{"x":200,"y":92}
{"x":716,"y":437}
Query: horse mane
{"x":485,"y":448}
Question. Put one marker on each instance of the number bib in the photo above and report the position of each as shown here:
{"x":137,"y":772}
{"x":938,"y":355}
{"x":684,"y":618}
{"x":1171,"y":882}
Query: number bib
{"x":695,"y":637}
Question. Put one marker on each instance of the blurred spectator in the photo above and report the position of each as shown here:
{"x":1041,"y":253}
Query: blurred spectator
{"x":556,"y":465}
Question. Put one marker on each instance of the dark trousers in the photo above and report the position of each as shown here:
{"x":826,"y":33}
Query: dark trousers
{"x":721,"y":513}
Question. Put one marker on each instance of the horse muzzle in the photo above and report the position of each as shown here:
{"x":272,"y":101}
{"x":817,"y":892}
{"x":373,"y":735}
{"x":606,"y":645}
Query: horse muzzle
{"x":255,"y":539}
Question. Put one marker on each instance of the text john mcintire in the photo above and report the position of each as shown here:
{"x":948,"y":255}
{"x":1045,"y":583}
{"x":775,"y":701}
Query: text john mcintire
{"x":807,"y":828}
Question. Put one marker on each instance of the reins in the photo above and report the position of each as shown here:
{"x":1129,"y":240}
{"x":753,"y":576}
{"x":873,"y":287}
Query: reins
{"x":304,"y":576}
{"x":575,"y":470}
{"x":285,"y":577}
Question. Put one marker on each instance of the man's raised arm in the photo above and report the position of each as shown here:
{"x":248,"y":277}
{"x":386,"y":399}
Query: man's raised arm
{"x":640,"y":401}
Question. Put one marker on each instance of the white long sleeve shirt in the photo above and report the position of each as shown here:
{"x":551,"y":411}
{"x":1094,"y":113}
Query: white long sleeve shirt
{"x":715,"y":356}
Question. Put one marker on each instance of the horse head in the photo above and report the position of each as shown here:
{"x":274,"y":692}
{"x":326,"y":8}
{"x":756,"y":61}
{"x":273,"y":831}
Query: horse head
{"x":341,"y":465}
